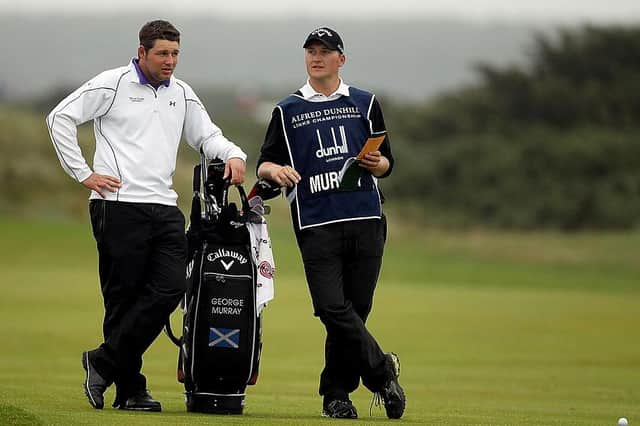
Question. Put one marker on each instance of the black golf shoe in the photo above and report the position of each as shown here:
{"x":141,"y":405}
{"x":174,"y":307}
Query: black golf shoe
{"x":94,"y":384}
{"x":391,"y":393}
{"x":339,"y":409}
{"x":140,"y":401}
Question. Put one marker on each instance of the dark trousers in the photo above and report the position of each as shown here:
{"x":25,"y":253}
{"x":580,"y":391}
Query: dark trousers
{"x":342,"y":262}
{"x":142,"y":258}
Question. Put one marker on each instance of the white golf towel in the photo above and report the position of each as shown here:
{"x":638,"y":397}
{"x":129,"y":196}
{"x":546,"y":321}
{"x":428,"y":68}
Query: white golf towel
{"x":263,"y":258}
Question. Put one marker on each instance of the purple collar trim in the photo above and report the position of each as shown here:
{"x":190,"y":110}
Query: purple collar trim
{"x":143,"y":78}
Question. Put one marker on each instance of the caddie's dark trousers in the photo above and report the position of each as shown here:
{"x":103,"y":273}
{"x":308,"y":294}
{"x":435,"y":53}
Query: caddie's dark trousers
{"x":342,"y":262}
{"x":142,"y":256}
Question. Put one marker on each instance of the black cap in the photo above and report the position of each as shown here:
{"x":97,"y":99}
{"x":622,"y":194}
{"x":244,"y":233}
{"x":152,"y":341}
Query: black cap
{"x":326,"y":36}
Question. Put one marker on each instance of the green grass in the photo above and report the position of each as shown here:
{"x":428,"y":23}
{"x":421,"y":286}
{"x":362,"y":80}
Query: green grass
{"x":492,"y":329}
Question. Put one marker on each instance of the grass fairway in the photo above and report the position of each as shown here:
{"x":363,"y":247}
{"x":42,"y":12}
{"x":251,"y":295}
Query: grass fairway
{"x":492,"y":329}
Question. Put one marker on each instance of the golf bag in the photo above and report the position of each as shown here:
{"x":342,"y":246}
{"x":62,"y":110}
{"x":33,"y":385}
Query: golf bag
{"x":221,"y":344}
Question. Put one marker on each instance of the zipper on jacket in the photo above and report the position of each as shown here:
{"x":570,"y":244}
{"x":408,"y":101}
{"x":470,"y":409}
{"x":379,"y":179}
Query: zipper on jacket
{"x":155,"y":92}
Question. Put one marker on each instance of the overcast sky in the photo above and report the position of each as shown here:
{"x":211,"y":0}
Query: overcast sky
{"x":557,"y":10}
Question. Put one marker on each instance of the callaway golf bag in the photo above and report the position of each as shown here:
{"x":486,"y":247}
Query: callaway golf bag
{"x":229,"y":279}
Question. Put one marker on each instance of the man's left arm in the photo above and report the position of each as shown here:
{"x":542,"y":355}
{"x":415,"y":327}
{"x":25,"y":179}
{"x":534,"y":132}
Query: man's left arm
{"x":202,"y":134}
{"x":379,"y":163}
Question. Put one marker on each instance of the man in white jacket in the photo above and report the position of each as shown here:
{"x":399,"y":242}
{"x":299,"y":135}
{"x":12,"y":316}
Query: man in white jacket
{"x":140,"y":112}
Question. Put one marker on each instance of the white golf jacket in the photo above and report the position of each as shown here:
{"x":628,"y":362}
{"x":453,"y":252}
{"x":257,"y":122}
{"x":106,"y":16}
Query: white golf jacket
{"x":137,"y":130}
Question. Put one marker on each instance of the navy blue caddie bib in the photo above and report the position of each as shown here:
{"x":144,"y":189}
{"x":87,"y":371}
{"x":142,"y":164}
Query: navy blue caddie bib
{"x":320,"y":137}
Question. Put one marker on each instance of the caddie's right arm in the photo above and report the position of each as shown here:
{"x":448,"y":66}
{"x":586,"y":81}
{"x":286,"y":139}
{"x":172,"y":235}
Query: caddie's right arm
{"x":282,"y":175}
{"x":274,"y":163}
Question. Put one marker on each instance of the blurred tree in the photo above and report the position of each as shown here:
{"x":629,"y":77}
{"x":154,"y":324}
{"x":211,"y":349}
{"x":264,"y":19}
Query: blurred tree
{"x":553,"y":144}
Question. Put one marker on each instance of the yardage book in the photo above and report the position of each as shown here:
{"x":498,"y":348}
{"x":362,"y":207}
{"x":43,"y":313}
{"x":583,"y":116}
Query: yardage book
{"x":351,"y":172}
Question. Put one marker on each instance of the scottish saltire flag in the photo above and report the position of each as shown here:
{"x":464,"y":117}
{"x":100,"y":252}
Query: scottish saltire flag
{"x":224,"y":337}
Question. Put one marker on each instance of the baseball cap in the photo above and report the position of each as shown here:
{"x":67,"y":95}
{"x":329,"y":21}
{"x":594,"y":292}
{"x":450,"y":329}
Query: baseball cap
{"x":326,"y":36}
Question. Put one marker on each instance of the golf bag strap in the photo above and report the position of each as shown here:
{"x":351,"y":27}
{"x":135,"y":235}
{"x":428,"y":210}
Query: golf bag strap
{"x":167,"y":329}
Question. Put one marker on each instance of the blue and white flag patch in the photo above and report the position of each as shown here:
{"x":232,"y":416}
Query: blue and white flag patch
{"x":224,"y":338}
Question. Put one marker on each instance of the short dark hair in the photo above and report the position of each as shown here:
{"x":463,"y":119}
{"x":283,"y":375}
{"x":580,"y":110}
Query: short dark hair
{"x":157,"y":30}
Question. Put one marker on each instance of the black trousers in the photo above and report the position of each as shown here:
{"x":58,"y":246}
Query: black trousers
{"x":342,"y":262}
{"x":142,"y":258}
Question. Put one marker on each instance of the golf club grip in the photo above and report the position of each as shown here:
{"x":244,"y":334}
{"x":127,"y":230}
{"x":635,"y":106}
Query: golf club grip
{"x":243,"y":196}
{"x":196,"y":178}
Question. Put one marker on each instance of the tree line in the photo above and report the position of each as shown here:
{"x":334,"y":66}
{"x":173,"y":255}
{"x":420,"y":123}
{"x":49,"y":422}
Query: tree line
{"x":552,"y":144}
